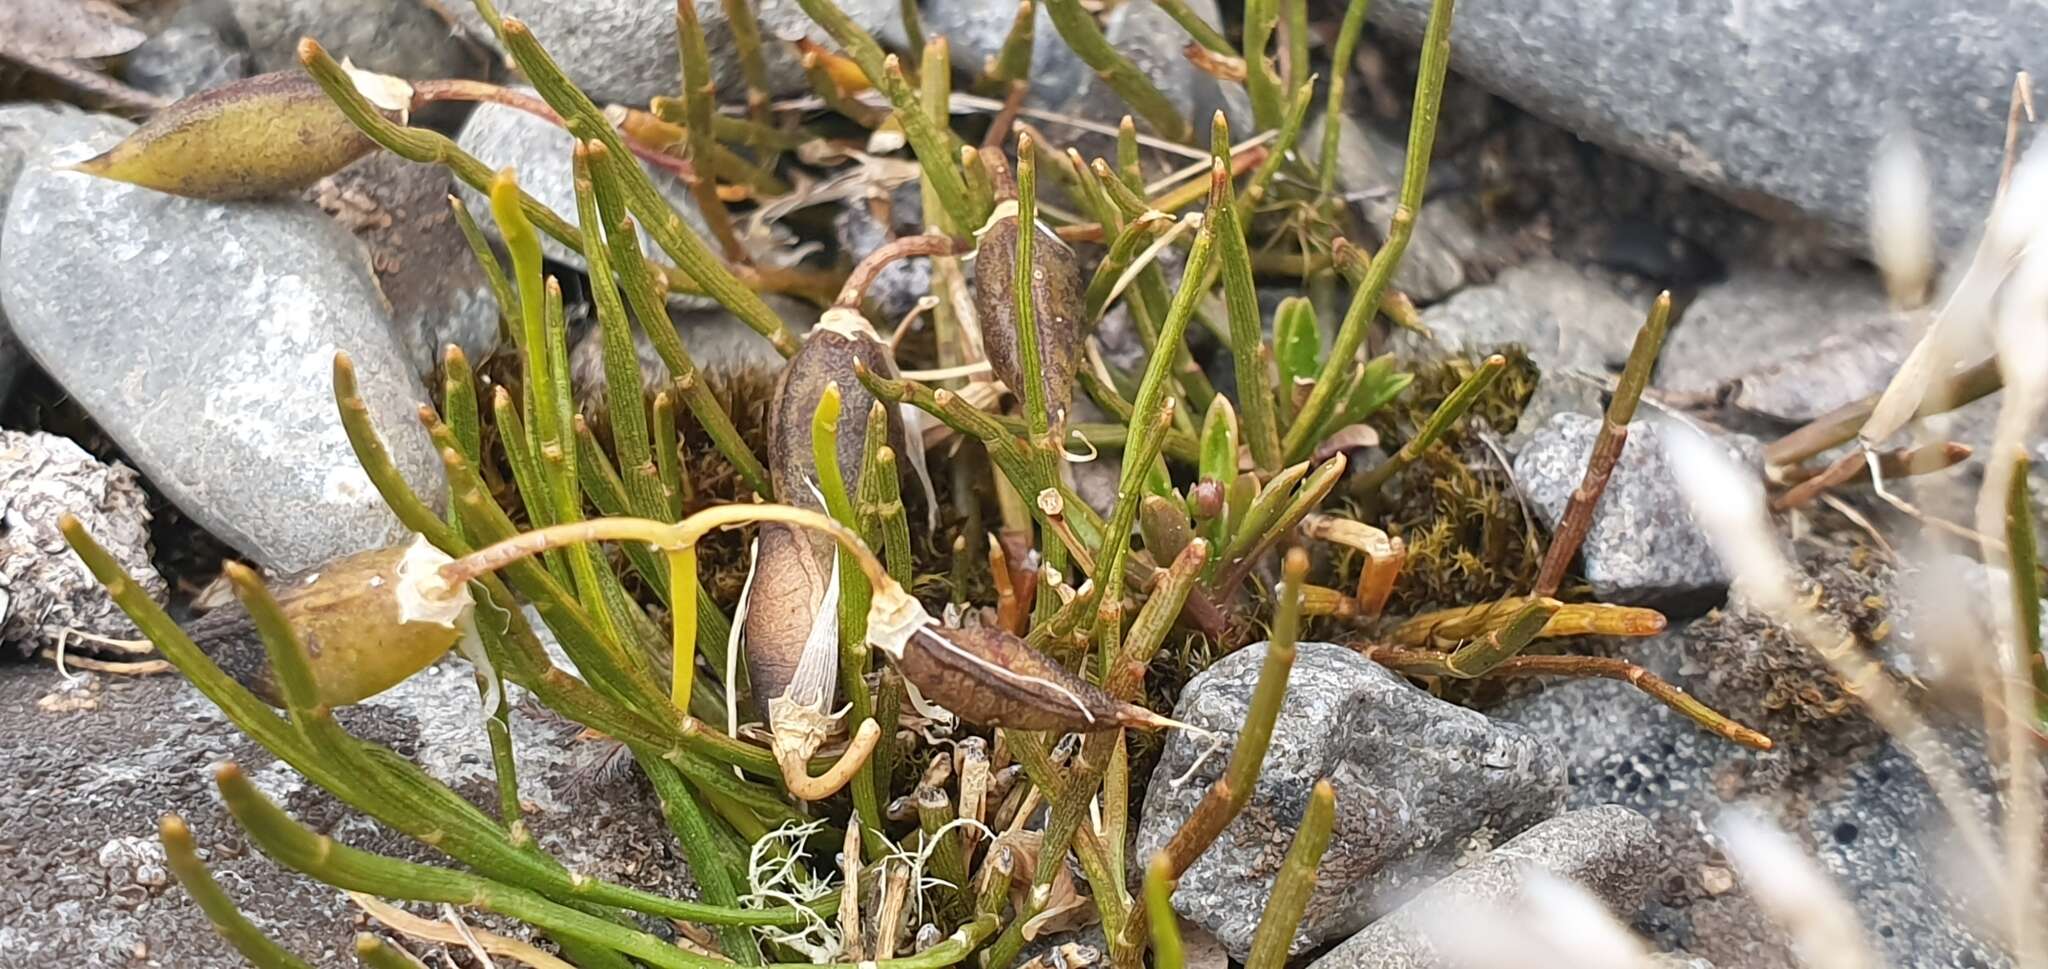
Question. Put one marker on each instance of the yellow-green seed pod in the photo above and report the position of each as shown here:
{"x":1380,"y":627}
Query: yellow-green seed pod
{"x":361,"y":633}
{"x":268,"y":135}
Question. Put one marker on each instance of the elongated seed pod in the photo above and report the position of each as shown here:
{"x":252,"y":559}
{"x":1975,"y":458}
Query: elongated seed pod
{"x":348,"y":616}
{"x":786,"y":598}
{"x":991,"y":678}
{"x":1056,"y":307}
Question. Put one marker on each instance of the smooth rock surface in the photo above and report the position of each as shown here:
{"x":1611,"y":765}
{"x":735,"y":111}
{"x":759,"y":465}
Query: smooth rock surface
{"x":45,"y":590}
{"x":200,"y":47}
{"x":1776,"y":105}
{"x":1419,"y":783}
{"x":1606,"y":850}
{"x":625,"y":50}
{"x":24,"y":128}
{"x":402,"y":37}
{"x":201,"y":337}
{"x":542,"y":156}
{"x":1643,"y":547}
{"x":1786,"y":346}
{"x":438,"y":294}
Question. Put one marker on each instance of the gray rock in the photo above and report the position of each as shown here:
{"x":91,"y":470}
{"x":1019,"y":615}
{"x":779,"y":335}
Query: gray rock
{"x":201,"y":336}
{"x":1419,"y":782}
{"x":1725,"y":95}
{"x":1606,"y":850}
{"x":403,"y":37}
{"x":199,"y":48}
{"x":24,"y":127}
{"x":542,"y":156}
{"x":1152,"y":40}
{"x":45,"y":590}
{"x":975,"y":31}
{"x":1643,"y":547}
{"x":624,"y":51}
{"x":896,"y":290}
{"x":1445,"y":244}
{"x":717,"y":340}
{"x":1576,"y":328}
{"x":424,"y":266}
{"x":1785,"y":346}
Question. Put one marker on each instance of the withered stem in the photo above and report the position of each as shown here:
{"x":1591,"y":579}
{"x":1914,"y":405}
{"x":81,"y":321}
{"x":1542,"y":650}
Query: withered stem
{"x":855,"y":290}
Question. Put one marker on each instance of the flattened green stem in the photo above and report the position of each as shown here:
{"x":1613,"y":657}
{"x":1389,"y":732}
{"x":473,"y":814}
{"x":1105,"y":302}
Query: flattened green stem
{"x":375,"y":458}
{"x":746,"y":36}
{"x":708,"y":862}
{"x":1038,"y":420}
{"x":378,"y":954}
{"x":1308,"y":498}
{"x":1340,"y":70}
{"x":1260,"y":19}
{"x":486,"y":259}
{"x":700,"y":95}
{"x":1116,"y":536}
{"x":459,"y":401}
{"x":1167,"y":952}
{"x":1173,"y":332}
{"x":1155,"y":619}
{"x":2026,"y":586}
{"x":640,"y":477}
{"x":934,"y":812}
{"x":1446,"y":414}
{"x":1477,"y":657}
{"x":1295,"y":882}
{"x":1282,"y":149}
{"x":1013,"y":62}
{"x":644,"y":296}
{"x":855,"y":593}
{"x":1078,"y":27}
{"x":1436,"y":57}
{"x":1225,"y":798}
{"x":682,"y":597}
{"x":1247,"y":326}
{"x":668,"y":461}
{"x":586,"y":122}
{"x":1197,"y":28}
{"x":526,"y":474}
{"x":1578,"y":513}
{"x":182,"y":858}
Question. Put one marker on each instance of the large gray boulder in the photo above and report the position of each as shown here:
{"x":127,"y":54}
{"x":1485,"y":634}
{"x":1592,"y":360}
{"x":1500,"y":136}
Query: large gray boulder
{"x":201,"y":336}
{"x":1779,"y":105}
{"x":1419,"y":783}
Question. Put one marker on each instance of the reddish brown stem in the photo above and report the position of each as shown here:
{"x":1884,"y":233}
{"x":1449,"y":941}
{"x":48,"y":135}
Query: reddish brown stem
{"x":1006,"y":119}
{"x":1578,"y":513}
{"x":1424,"y":662}
{"x":456,"y":89}
{"x":1852,"y":466}
{"x":856,"y":288}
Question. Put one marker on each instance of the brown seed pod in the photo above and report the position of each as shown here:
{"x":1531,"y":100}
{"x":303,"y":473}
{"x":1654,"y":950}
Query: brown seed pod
{"x":785,"y":597}
{"x":348,"y":615}
{"x":272,"y":134}
{"x":990,"y":678}
{"x":1056,"y":307}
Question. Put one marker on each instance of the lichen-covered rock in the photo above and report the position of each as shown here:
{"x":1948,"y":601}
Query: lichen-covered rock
{"x":624,"y":51}
{"x":1606,"y":850}
{"x":45,"y":590}
{"x":1419,"y":783}
{"x":201,"y":336}
{"x":424,"y":266}
{"x":1643,"y":547}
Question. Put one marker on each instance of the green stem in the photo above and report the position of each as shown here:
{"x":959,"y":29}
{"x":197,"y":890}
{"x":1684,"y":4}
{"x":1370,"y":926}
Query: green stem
{"x":1340,"y":70}
{"x":1295,"y":882}
{"x":1454,"y":407}
{"x":1247,"y":326}
{"x":1197,"y":28}
{"x":1081,"y":33}
{"x":182,"y":858}
{"x":1436,"y":56}
{"x":1167,"y":951}
{"x":700,"y":96}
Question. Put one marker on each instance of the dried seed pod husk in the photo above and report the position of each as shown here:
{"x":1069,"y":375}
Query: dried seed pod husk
{"x":786,"y":600}
{"x":990,"y":678}
{"x":268,"y":135}
{"x":362,"y":636}
{"x":1056,"y":306}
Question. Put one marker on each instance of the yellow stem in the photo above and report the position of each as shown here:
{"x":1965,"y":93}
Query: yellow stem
{"x":682,"y":584}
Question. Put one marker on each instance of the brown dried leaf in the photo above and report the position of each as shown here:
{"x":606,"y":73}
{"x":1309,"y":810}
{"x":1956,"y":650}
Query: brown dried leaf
{"x":1056,"y":304}
{"x":272,"y":134}
{"x":990,"y":678}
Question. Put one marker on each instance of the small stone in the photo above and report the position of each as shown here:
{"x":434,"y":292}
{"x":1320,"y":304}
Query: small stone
{"x":541,"y":155}
{"x":1415,"y":776}
{"x":45,"y":590}
{"x":402,"y":37}
{"x":1643,"y":547}
{"x":1786,"y":346}
{"x":424,"y":266}
{"x":210,"y":365}
{"x":1717,"y":880}
{"x":134,"y":860}
{"x":1724,"y":95}
{"x":1606,"y":850}
{"x":198,"y":49}
{"x":624,"y":51}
